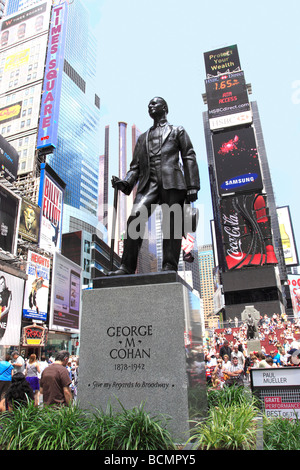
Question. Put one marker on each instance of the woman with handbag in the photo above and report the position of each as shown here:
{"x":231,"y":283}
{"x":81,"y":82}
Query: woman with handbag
{"x":31,"y":372}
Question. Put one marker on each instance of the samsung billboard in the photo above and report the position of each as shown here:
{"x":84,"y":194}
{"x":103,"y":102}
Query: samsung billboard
{"x":237,"y":161}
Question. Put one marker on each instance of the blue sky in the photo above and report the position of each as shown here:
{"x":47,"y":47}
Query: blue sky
{"x":155,"y":48}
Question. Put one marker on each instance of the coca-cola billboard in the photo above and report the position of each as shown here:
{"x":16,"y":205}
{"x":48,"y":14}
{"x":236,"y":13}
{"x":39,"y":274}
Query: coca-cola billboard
{"x":246,"y":231}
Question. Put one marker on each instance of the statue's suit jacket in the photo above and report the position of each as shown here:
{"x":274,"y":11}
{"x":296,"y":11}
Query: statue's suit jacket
{"x":175,"y":141}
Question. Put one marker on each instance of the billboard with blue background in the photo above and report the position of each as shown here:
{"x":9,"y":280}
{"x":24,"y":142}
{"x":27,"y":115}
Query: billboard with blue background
{"x":48,"y":124}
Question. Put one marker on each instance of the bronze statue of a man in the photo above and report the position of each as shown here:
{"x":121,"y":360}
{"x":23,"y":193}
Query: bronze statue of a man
{"x":162,"y":179}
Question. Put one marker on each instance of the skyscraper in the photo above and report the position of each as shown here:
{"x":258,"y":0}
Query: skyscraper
{"x":245,"y":220}
{"x":206,"y":266}
{"x":76,"y":157}
{"x":103,"y":181}
{"x":48,"y":78}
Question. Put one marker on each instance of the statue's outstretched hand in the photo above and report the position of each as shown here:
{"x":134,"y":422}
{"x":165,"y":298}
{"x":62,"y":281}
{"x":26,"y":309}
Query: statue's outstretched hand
{"x":121,"y":185}
{"x":192,"y":195}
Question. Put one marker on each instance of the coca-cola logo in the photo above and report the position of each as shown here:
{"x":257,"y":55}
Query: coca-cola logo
{"x":231,"y":227}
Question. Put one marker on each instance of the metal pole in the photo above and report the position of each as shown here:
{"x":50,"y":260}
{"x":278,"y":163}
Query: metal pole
{"x":113,"y":228}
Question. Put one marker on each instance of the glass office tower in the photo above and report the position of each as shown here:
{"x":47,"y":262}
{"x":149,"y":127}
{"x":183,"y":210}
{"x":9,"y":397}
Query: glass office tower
{"x":76,"y":157}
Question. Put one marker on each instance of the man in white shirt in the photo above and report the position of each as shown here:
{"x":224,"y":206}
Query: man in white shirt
{"x":235,"y":373}
{"x":18,"y":362}
{"x":240,"y":356}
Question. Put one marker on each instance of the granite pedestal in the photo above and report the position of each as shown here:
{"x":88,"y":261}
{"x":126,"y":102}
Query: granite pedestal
{"x":253,"y":345}
{"x":132,"y":347}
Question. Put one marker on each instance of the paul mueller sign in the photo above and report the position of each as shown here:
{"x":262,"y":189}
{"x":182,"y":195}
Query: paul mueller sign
{"x":279,"y":390}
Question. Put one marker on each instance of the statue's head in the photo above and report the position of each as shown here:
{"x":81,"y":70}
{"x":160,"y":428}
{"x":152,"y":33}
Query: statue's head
{"x":158,"y":107}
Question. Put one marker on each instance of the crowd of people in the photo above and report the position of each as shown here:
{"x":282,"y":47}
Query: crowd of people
{"x":50,"y":381}
{"x":227,"y":360}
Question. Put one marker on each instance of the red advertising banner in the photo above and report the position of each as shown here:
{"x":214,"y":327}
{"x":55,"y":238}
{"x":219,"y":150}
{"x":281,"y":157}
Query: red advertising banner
{"x":246,"y":231}
{"x":294,"y":283}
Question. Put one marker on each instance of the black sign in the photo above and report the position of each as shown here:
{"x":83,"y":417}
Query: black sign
{"x":9,"y":160}
{"x":23,"y":16}
{"x":9,"y":209}
{"x":29,"y":227}
{"x":226,"y":94}
{"x":222,"y":60}
{"x":246,"y":231}
{"x":236,"y":161}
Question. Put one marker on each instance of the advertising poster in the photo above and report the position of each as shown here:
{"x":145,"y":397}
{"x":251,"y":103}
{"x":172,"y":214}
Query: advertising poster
{"x":29,"y":227}
{"x":11,"y":303}
{"x":294,"y":283}
{"x":9,"y":219}
{"x":237,"y":161}
{"x":37,"y":287}
{"x":9,"y":160}
{"x":51,"y":197}
{"x":49,"y":113}
{"x":10,"y":112}
{"x":65,"y":309}
{"x":222,"y":60}
{"x":246,"y":231}
{"x":24,"y":25}
{"x":287,"y":236}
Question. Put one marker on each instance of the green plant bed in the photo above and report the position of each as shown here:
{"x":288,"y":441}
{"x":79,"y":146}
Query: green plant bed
{"x":229,"y":427}
{"x":71,"y":428}
{"x":281,"y":434}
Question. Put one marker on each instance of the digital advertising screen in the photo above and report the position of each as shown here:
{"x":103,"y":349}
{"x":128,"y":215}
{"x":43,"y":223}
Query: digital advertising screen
{"x":65,"y":309}
{"x":222,"y":60}
{"x":227,"y":101}
{"x":9,"y":219}
{"x":246,"y":231}
{"x":237,"y":161}
{"x":9,"y":160}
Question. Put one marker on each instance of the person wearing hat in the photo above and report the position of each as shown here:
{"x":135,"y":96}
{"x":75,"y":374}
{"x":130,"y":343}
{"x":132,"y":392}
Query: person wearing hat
{"x":276,"y":357}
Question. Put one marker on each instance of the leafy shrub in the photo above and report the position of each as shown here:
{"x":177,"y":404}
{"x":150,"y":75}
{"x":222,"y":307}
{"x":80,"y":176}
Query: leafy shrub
{"x":281,"y":434}
{"x":71,"y":428}
{"x":231,"y":395}
{"x":230,"y":427}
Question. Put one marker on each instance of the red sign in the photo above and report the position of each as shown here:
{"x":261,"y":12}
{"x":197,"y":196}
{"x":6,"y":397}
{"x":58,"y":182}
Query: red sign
{"x":34,"y":335}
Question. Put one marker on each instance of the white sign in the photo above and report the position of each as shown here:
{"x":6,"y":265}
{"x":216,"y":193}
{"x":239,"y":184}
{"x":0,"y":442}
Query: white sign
{"x":230,"y":120}
{"x":11,"y":302}
{"x":276,"y":377}
{"x":51,"y":215}
{"x":276,"y":408}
